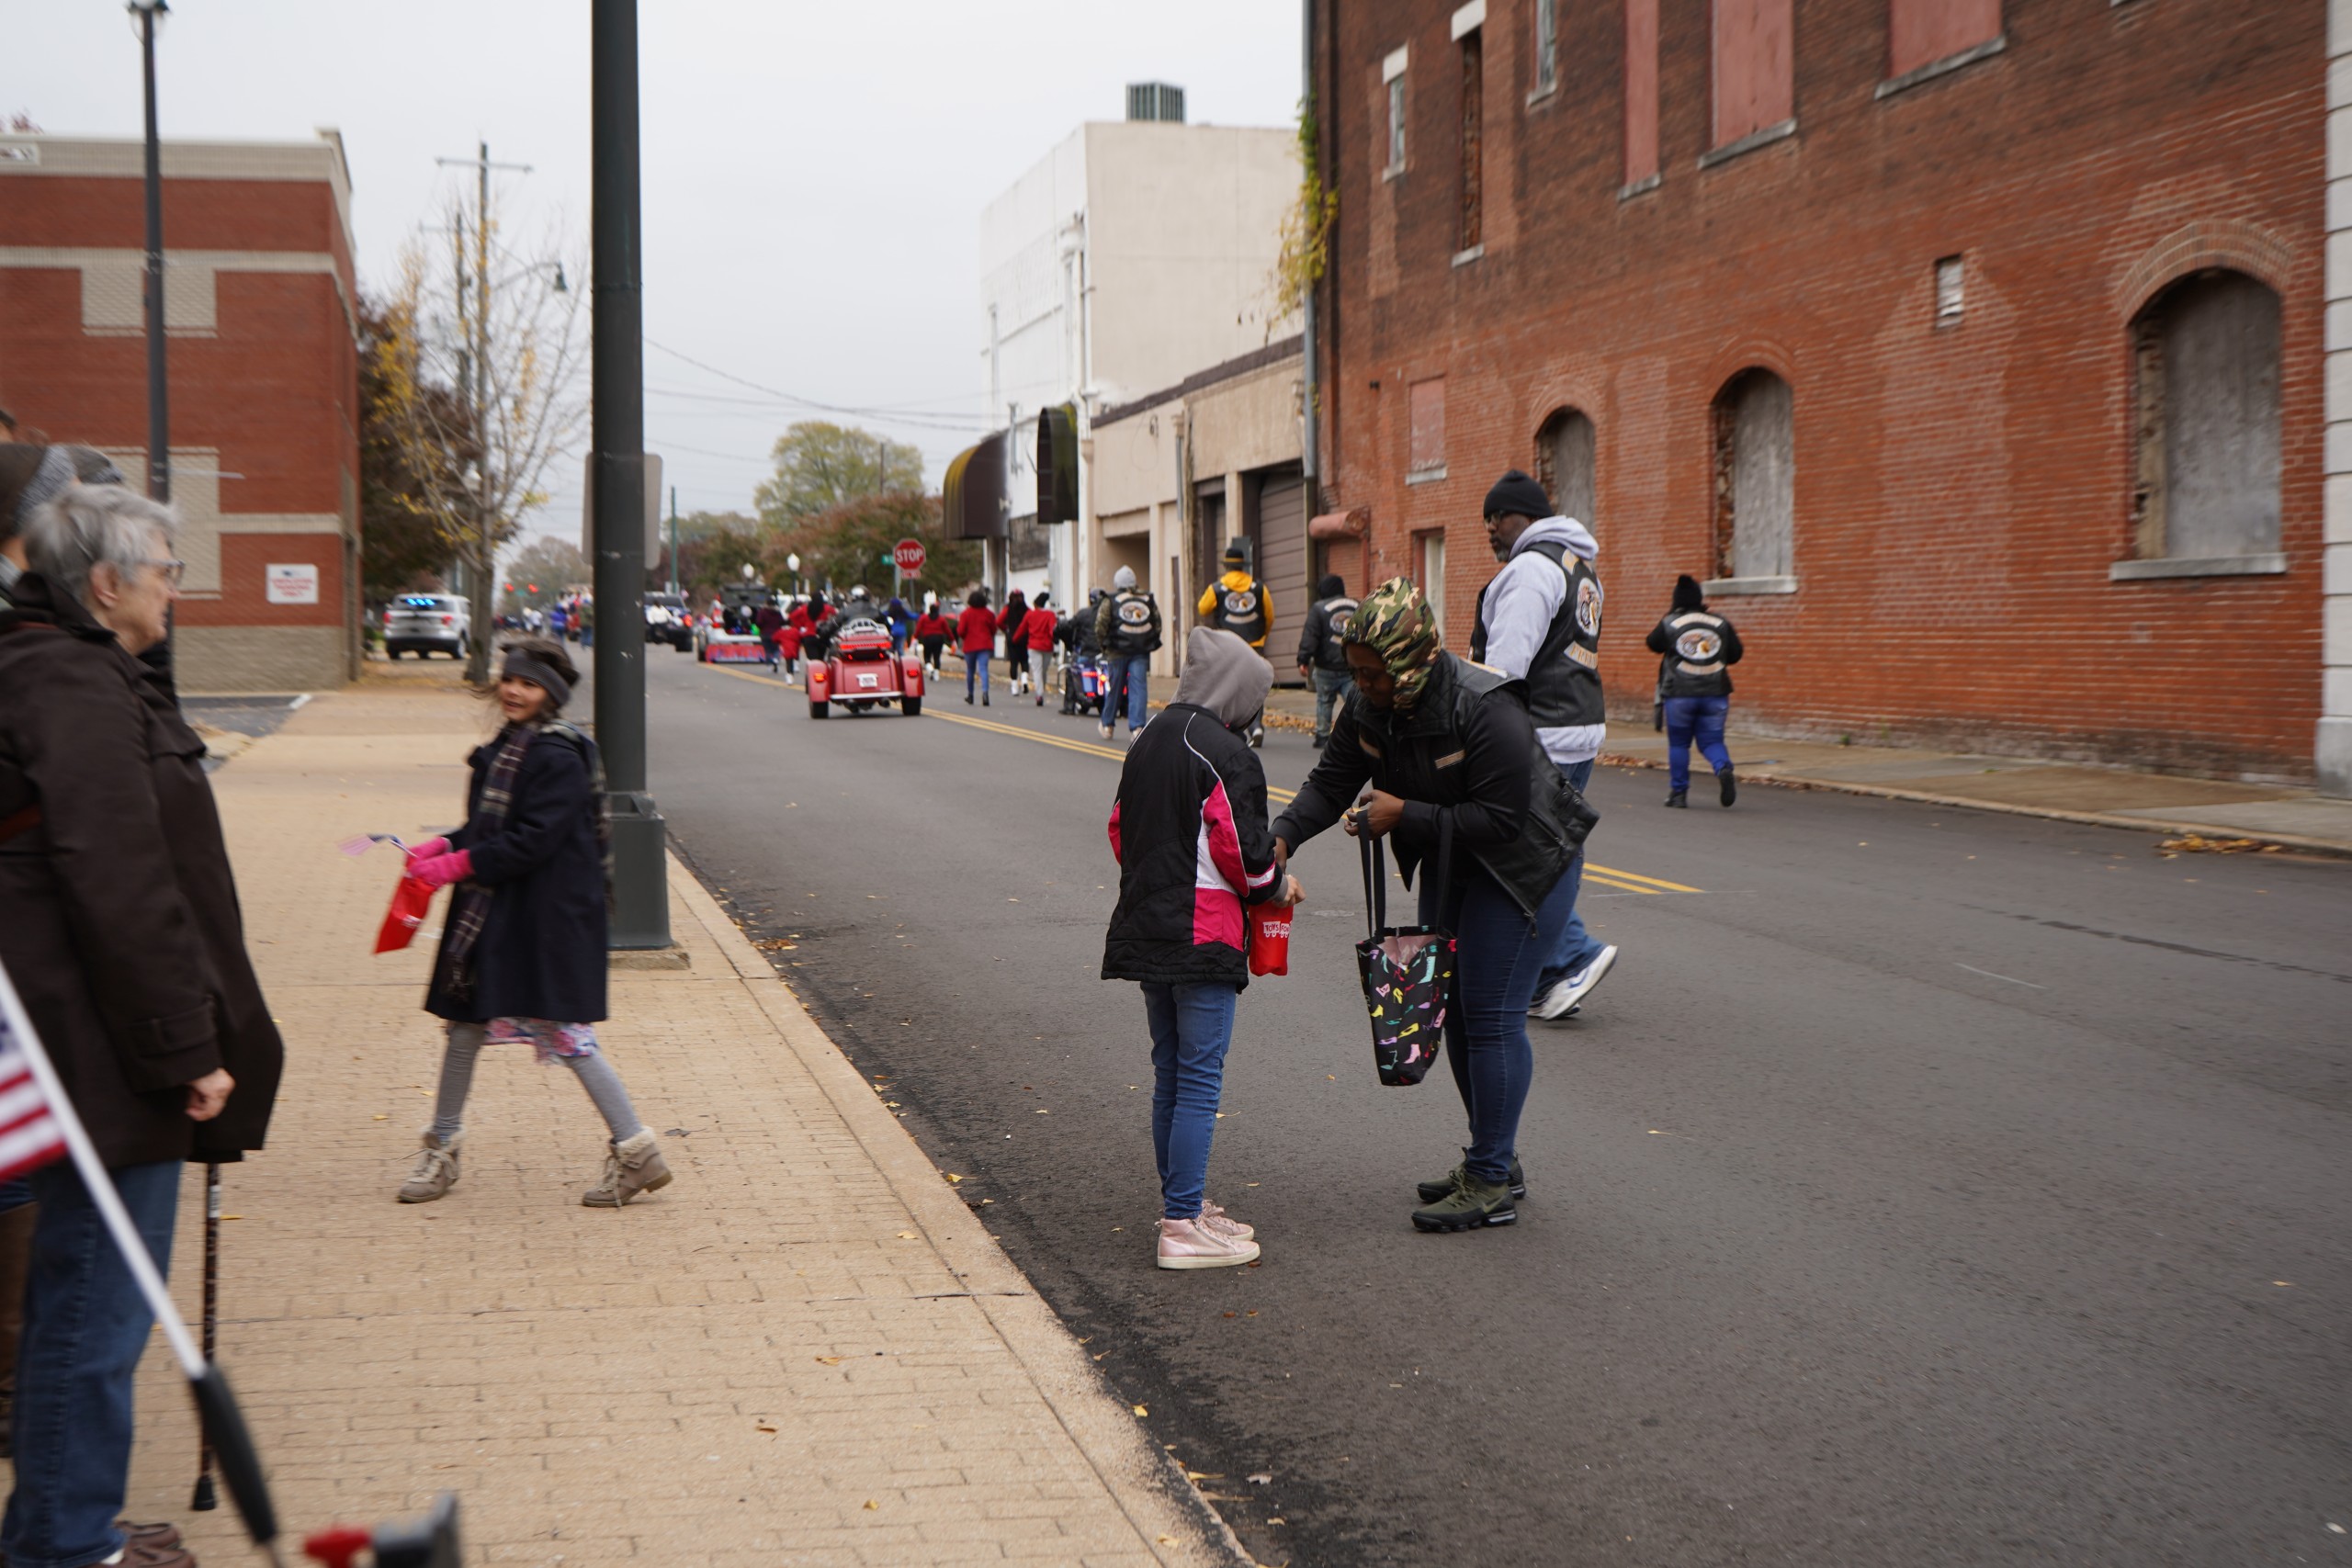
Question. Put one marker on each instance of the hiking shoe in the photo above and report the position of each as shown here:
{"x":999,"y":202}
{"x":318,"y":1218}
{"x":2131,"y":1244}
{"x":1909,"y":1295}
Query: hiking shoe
{"x":1190,"y":1244}
{"x":633,"y":1165}
{"x":1216,"y":1219}
{"x":1680,"y":797}
{"x":435,"y":1170}
{"x":1433,"y":1192}
{"x":1471,"y":1204}
{"x":1726,"y":786}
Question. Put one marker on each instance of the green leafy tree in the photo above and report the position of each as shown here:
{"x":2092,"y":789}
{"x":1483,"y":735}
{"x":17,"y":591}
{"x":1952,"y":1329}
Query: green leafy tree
{"x":548,"y":564}
{"x":819,"y":465}
{"x":850,"y":544}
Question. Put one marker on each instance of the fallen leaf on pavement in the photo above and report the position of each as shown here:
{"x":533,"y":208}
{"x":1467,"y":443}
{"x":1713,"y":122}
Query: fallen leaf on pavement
{"x":1263,"y":1478}
{"x":870,"y":1503}
{"x":830,"y":1360}
{"x":907,"y":1236}
{"x":761,"y":1426}
{"x":1143,"y":1410}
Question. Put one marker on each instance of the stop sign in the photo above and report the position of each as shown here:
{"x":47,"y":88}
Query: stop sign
{"x":908,"y":555}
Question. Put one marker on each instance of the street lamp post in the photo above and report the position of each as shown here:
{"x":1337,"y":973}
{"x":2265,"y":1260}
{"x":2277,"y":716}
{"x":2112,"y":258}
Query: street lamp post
{"x":640,"y":870}
{"x":159,"y":411}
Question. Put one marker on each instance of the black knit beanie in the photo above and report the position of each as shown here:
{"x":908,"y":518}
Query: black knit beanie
{"x":1516,"y":495}
{"x":1333,"y":586}
{"x":1687,"y":594}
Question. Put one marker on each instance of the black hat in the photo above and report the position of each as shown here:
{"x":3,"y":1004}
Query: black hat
{"x":1234,"y":552}
{"x":1687,"y":594}
{"x":1333,"y":586}
{"x":1516,"y":495}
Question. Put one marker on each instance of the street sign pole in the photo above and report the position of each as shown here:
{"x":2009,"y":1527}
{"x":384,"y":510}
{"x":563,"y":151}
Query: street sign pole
{"x":640,"y":869}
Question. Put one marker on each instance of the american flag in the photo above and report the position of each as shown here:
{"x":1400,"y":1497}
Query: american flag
{"x":30,"y":1136}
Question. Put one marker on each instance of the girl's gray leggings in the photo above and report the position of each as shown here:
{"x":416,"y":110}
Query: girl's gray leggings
{"x":595,"y":1074}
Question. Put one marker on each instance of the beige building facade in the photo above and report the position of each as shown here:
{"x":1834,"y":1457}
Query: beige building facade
{"x":1177,"y":473}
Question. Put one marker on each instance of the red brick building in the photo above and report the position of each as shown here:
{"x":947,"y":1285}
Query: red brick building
{"x":1970,"y":348}
{"x":264,"y":376}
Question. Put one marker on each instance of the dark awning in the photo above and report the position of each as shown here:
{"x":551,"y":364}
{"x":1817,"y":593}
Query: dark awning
{"x":1057,"y":464}
{"x":972,"y":499}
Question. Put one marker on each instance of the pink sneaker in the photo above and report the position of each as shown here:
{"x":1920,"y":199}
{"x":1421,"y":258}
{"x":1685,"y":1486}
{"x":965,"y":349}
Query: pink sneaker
{"x":1190,"y":1244}
{"x":1216,"y":1219}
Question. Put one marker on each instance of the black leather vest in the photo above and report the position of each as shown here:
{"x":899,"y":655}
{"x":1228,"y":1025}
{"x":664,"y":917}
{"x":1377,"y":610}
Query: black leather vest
{"x":1564,"y":680}
{"x":1241,"y":611}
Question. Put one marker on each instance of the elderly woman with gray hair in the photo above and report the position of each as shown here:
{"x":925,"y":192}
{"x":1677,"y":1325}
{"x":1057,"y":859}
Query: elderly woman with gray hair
{"x":123,"y":936}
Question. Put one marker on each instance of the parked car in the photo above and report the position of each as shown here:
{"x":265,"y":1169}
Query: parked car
{"x":428,"y":623}
{"x":667,"y":620}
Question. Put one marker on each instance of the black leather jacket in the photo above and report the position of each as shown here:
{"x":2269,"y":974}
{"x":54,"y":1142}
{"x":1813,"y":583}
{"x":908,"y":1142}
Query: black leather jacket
{"x":1468,"y":751}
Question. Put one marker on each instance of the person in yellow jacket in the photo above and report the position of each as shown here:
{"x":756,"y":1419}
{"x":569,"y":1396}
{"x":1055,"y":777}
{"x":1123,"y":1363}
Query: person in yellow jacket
{"x":1237,"y":603}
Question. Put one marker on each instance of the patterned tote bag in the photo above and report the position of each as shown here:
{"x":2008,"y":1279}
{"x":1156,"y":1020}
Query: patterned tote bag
{"x":1407,"y":971}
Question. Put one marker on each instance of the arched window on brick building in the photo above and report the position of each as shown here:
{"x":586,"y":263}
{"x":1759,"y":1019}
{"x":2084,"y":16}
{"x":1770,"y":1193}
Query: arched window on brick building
{"x":1564,"y":463}
{"x":2205,"y":356}
{"x":1756,"y":476}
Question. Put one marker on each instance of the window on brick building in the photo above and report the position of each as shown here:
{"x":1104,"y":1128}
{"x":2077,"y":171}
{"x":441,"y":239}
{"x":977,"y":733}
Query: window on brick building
{"x":1547,"y":46}
{"x":1432,"y":574}
{"x":1921,"y":33}
{"x":2206,"y":361}
{"x":1754,"y":67}
{"x":1756,"y":477}
{"x":1640,"y":94}
{"x":1425,"y":404}
{"x":1470,"y":229}
{"x":1392,"y":75}
{"x":1951,"y":290}
{"x":1564,"y":463}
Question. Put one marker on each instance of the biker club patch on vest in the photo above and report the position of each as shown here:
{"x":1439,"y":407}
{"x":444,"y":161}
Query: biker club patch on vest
{"x":1589,"y":605}
{"x":1241,"y":604}
{"x":1699,"y":644}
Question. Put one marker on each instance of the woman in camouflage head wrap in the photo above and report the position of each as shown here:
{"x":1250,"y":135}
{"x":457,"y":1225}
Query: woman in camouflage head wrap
{"x":1394,"y":622}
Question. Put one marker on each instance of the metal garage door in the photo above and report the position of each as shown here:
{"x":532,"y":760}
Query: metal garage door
{"x":1283,"y":561}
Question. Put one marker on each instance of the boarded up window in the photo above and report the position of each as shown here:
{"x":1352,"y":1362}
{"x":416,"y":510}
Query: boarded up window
{"x":2207,"y":356}
{"x":1473,"y":92}
{"x":1641,"y":90}
{"x":1547,"y":45}
{"x":1920,"y":32}
{"x":1432,"y":583}
{"x":1564,"y":463}
{"x":1754,"y":66}
{"x":1427,"y":400}
{"x":1756,"y":476}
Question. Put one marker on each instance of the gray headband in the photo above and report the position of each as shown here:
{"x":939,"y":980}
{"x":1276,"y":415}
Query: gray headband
{"x":521,"y":666}
{"x":49,"y":481}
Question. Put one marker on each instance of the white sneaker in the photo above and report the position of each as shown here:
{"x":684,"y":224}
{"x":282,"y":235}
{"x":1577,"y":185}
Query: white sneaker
{"x":1191,"y":1244}
{"x":1562,"y":997}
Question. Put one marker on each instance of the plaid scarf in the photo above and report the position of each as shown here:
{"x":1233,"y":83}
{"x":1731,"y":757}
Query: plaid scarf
{"x":469,"y":904}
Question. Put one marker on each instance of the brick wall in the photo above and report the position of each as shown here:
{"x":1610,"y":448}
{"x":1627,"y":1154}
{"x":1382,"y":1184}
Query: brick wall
{"x":263,"y":386}
{"x":1960,"y":494}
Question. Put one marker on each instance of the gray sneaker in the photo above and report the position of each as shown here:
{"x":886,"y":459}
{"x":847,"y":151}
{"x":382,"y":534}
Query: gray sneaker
{"x":435,"y":1170}
{"x":633,"y":1165}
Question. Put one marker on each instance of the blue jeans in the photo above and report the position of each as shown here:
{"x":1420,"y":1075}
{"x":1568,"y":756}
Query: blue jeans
{"x":1701,"y":717}
{"x":1130,"y":673}
{"x":1578,"y":947}
{"x":1500,"y":955}
{"x":1330,"y":688}
{"x":86,"y":1323}
{"x":1190,"y":1027}
{"x":976,"y":665}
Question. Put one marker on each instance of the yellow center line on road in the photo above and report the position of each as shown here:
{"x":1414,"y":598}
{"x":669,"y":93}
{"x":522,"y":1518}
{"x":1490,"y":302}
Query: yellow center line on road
{"x":1608,"y":876}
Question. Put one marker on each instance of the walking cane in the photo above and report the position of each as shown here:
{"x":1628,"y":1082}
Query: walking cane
{"x":205,"y":1499}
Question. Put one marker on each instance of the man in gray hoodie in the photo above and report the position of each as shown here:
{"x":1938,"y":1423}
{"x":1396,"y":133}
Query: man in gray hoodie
{"x":1539,"y":620}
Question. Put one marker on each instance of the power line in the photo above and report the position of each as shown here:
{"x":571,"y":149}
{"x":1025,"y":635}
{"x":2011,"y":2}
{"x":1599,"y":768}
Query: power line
{"x":792,"y":397}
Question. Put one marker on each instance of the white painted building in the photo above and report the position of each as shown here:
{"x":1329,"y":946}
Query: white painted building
{"x":1131,"y":256}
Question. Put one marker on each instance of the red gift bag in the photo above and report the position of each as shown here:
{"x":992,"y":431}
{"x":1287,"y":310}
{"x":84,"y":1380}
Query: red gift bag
{"x":1270,"y":938}
{"x":410,"y":900}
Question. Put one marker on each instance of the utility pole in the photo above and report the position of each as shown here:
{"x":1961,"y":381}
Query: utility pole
{"x":640,"y":870}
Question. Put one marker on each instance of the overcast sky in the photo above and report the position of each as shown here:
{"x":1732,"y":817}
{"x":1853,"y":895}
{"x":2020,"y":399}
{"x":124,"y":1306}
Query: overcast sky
{"x":814,"y":173}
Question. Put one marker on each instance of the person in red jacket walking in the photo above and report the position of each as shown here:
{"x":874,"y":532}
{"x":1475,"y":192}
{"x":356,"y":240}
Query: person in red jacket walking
{"x":1037,"y":642}
{"x":932,"y":630}
{"x":975,"y":634}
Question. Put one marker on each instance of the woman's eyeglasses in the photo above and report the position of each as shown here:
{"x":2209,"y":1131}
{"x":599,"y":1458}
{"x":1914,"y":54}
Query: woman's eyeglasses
{"x":171,"y":572}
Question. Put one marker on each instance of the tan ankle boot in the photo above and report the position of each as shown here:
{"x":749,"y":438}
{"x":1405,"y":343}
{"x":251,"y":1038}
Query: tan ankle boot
{"x":634,"y":1166}
{"x":435,"y":1170}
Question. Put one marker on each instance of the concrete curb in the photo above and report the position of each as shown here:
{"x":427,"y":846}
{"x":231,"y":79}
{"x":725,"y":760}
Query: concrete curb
{"x":1174,"y":1522}
{"x":2330,"y":847}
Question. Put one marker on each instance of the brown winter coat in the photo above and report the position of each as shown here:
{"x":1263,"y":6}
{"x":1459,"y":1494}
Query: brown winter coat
{"x":118,"y":918}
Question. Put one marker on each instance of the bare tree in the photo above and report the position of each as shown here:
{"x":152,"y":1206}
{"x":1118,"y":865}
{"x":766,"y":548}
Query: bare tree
{"x":504,"y":331}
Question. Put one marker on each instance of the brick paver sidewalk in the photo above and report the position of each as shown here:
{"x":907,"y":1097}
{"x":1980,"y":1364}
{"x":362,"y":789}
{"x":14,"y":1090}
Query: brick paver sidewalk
{"x":805,"y":1350}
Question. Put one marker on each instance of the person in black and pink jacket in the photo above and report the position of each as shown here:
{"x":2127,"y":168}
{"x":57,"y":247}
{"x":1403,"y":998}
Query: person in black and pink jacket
{"x":1194,"y":850}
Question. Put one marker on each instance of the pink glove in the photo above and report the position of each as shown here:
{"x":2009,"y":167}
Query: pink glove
{"x":428,"y":849}
{"x":439,"y":871}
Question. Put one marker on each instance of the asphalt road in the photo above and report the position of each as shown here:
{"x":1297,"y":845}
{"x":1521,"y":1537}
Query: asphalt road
{"x":1934,"y":1187}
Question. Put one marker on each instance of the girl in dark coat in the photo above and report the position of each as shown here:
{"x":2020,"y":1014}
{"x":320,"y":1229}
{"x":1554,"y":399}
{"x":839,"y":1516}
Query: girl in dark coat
{"x":522,"y":950}
{"x":1016,"y":611}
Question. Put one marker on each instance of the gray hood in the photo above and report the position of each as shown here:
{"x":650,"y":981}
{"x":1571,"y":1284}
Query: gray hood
{"x":1224,"y":675}
{"x":1562,"y":530}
